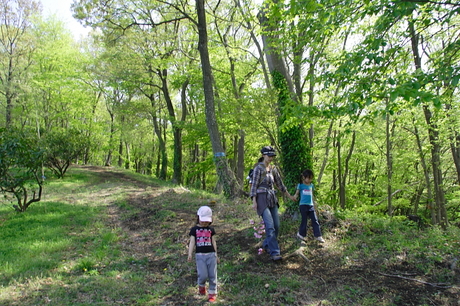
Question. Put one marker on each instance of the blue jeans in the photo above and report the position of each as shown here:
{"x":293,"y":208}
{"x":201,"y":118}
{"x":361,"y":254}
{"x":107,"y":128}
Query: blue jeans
{"x":206,"y":266}
{"x":272,"y":226}
{"x":308,"y":211}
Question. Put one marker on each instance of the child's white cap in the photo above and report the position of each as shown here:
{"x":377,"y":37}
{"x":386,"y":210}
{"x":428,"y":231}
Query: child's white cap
{"x":205,"y":214}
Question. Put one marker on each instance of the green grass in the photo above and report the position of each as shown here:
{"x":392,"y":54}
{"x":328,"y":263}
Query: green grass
{"x":393,"y":241}
{"x":59,"y":245}
{"x":66,"y":250}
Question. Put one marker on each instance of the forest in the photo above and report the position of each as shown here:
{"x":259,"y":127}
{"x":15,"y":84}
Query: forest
{"x":365,"y":93}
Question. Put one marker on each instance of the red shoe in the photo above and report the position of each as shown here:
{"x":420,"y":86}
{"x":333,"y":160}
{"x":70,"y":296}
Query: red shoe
{"x":202,"y":290}
{"x":211,"y":298}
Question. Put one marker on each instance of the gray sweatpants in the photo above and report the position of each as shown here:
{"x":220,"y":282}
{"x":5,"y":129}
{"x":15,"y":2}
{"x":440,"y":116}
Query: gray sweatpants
{"x":206,"y":265}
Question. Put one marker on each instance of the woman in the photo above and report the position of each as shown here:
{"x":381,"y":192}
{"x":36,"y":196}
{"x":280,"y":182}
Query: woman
{"x":264,"y":200}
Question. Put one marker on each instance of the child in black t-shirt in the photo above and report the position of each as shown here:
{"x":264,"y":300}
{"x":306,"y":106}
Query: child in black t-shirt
{"x":202,"y":238}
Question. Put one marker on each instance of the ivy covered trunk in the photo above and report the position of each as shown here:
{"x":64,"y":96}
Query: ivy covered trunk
{"x":293,"y":141}
{"x":295,"y":152}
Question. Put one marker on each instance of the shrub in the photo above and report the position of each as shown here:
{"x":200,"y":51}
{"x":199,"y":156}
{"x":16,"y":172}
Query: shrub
{"x":21,"y":161}
{"x":63,"y":148}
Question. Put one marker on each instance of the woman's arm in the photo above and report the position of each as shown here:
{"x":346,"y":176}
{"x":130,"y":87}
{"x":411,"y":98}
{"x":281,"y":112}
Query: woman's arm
{"x":279,"y":183}
{"x":255,"y":181}
{"x":295,"y":196}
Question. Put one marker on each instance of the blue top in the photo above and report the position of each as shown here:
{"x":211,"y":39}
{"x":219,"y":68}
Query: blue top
{"x":306,"y":194}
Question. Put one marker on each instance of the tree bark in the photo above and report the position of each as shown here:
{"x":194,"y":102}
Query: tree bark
{"x":225,"y":175}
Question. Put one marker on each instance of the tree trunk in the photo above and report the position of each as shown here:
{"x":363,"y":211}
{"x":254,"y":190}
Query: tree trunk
{"x":240,"y":161}
{"x":340,"y":177}
{"x":108,"y":159}
{"x":127,"y":164}
{"x":433,"y":134}
{"x":389,"y":164}
{"x":295,"y":153}
{"x":344,"y":169}
{"x":163,"y":156}
{"x":237,"y":163}
{"x":326,"y":153}
{"x":120,"y":145}
{"x":454,"y":142}
{"x":426,"y":174}
{"x":455,"y":148}
{"x":177,"y":130}
{"x":120,"y":153}
{"x":225,"y":175}
{"x":15,"y":18}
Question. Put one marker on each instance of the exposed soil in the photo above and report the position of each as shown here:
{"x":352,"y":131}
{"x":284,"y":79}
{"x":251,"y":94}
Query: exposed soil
{"x":325,"y":267}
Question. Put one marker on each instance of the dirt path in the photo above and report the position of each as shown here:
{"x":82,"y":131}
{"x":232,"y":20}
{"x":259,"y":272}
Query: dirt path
{"x":147,"y":229}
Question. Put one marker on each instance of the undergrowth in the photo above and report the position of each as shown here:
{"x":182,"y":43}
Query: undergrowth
{"x":122,"y":240}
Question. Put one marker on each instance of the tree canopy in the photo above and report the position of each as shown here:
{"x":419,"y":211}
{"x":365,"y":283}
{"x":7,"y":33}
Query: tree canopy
{"x":366,"y":96}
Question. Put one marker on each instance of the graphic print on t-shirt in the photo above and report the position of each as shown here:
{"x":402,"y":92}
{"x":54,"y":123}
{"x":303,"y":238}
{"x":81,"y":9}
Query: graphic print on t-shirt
{"x":306,"y":194}
{"x":203,"y":238}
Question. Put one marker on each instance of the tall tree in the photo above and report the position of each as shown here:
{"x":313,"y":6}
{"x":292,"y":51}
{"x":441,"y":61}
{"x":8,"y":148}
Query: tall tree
{"x":226,"y":176}
{"x":433,"y":132}
{"x":16,"y":48}
{"x":127,"y":17}
{"x":295,"y":154}
{"x":56,"y":100}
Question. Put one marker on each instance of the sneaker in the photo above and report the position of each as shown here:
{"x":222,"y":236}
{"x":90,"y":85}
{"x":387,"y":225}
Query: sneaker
{"x":320,"y":239}
{"x":301,"y":237}
{"x":211,"y":298}
{"x":202,"y":290}
{"x":276,"y":257}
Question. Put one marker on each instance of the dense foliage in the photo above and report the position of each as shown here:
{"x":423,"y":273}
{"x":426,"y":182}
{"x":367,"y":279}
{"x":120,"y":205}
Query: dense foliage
{"x":62,"y":148}
{"x":375,"y":85}
{"x":21,"y":161}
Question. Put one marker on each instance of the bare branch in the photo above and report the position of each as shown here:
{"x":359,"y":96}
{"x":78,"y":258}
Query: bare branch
{"x":437,"y":285}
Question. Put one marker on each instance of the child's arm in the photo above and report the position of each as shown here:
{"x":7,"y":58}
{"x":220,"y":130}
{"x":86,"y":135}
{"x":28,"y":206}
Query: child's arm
{"x":294,"y":197}
{"x":214,"y":244}
{"x":191,"y":248}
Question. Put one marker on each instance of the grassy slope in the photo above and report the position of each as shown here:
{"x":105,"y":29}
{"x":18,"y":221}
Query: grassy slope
{"x":107,"y":237}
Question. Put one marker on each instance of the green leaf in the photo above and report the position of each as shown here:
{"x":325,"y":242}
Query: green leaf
{"x":437,"y":102}
{"x":455,"y":80}
{"x":393,"y":95}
